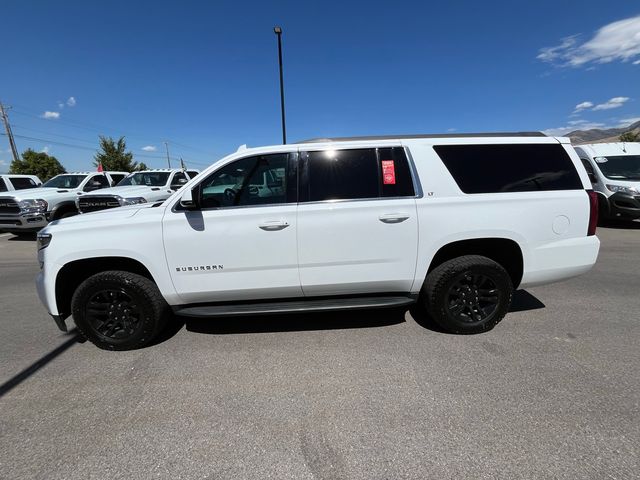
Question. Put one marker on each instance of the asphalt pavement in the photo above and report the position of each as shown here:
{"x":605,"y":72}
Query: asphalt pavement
{"x":552,"y":392}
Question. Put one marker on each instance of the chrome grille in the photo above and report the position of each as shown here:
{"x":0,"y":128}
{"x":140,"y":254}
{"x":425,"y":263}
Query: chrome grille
{"x":9,"y":205}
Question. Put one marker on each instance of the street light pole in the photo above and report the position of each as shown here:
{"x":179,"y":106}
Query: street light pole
{"x":278,"y":32}
{"x":166,"y":145}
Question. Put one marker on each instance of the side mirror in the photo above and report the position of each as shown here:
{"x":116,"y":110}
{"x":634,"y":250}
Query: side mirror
{"x":91,"y":186}
{"x":190,"y":199}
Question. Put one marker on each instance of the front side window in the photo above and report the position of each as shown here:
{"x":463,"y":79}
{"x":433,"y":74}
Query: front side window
{"x":65,"y":181}
{"x":510,"y":167}
{"x":149,"y":179}
{"x":116,"y":177}
{"x":259,"y":180}
{"x":3,"y":186}
{"x":620,"y":167}
{"x":96,"y":182}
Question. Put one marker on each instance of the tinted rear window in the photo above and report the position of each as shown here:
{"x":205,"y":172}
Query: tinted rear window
{"x":23,"y":183}
{"x":343,"y":174}
{"x":509,"y":168}
{"x":3,"y":186}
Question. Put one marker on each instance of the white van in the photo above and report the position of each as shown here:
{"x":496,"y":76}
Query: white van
{"x":614,"y":171}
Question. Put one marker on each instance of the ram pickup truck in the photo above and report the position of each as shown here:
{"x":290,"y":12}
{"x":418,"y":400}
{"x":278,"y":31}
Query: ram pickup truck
{"x":12,"y":182}
{"x":148,"y":186}
{"x":27,"y":211}
{"x":452,"y":222}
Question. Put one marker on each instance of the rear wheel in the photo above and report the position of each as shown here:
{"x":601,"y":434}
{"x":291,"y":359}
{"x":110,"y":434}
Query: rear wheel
{"x":468,"y":294}
{"x":119,"y":310}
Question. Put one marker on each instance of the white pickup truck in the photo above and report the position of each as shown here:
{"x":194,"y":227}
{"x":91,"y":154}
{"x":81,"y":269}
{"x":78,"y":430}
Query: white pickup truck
{"x":148,"y":186}
{"x":453,"y":222}
{"x":27,"y":211}
{"x":11,"y":182}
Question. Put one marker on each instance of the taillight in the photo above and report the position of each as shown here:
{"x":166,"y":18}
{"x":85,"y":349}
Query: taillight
{"x":593,"y":212}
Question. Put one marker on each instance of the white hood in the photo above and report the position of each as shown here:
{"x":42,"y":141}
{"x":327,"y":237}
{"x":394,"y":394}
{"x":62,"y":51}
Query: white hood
{"x":42,"y":193}
{"x":130,"y":191}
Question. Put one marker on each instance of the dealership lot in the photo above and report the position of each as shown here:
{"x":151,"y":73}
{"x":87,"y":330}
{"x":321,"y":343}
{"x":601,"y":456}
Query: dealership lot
{"x":552,"y":392}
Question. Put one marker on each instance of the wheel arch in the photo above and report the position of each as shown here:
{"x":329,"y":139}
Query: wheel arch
{"x":62,"y":208}
{"x":505,"y":251}
{"x":72,"y":274}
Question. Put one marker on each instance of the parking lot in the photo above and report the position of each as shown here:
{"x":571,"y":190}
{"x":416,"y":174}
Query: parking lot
{"x":552,"y":392}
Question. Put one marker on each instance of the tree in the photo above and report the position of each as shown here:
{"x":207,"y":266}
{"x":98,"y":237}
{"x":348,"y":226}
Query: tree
{"x":142,"y":166}
{"x":630,"y":137}
{"x":113,"y":155}
{"x":37,"y":163}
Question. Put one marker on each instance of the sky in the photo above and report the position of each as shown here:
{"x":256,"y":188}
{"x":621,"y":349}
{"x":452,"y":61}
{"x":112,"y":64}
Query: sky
{"x":203,"y":76}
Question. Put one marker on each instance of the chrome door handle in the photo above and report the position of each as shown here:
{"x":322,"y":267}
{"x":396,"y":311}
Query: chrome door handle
{"x":273,"y":226}
{"x":393,"y":217}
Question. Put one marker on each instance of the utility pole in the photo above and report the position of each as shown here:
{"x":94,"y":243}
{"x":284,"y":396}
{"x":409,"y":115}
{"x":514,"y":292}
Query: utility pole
{"x":278,"y":32}
{"x":166,"y":145}
{"x":7,"y":127}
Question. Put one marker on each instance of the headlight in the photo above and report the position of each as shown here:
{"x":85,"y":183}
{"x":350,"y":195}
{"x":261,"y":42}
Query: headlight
{"x":44,"y":239}
{"x":132,"y":201}
{"x":622,"y":189}
{"x":33,"y":206}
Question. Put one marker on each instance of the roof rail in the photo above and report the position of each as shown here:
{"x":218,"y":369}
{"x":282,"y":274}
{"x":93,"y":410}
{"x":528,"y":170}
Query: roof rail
{"x":424,"y":135}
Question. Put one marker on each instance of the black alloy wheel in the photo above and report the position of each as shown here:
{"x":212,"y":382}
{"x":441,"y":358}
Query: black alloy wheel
{"x":467,"y":294}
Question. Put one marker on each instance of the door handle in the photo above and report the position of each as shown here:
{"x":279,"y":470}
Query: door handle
{"x":273,"y":226}
{"x":393,"y":217}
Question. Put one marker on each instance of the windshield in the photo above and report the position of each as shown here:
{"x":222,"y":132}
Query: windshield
{"x":150,"y":179}
{"x":623,"y":167}
{"x":65,"y":181}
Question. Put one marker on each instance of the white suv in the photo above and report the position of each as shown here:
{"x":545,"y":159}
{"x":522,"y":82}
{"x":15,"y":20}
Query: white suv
{"x":27,"y":211}
{"x":138,"y":187}
{"x":454,"y":222}
{"x":614,"y":171}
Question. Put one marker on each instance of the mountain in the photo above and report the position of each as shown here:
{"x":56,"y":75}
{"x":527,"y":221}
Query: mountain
{"x":601,"y":136}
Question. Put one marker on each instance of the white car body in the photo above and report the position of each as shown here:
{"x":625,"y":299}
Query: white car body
{"x":32,"y":209}
{"x":11,"y":182}
{"x":133,"y":194}
{"x":326,"y":248}
{"x":619,"y":195}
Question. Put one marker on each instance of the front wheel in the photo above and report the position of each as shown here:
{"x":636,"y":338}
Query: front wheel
{"x":119,"y":310}
{"x":468,"y":294}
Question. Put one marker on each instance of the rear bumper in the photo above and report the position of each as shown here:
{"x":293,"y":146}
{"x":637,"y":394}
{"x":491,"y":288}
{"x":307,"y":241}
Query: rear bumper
{"x":624,"y":205}
{"x":556,"y":261}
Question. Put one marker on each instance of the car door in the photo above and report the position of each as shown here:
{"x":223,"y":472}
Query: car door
{"x":357,"y":222}
{"x":240,"y":244}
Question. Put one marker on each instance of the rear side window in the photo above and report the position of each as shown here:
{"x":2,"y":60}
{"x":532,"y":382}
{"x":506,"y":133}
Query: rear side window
{"x":22,"y":183}
{"x":3,"y":186}
{"x":357,"y":174}
{"x":510,"y":168}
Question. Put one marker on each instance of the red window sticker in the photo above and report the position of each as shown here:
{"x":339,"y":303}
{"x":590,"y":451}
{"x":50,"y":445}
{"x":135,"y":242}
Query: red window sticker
{"x":388,"y":172}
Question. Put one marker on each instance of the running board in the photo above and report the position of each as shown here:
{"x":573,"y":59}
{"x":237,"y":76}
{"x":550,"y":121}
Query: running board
{"x":294,"y":306}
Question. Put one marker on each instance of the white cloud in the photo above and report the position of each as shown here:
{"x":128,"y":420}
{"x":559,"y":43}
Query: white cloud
{"x":617,"y":41}
{"x":45,"y":149}
{"x":582,"y":106}
{"x":149,"y":148}
{"x":71,"y":101}
{"x":614,"y":102}
{"x":60,"y":105}
{"x":451,"y":129}
{"x":50,"y":115}
{"x":583,"y":125}
{"x":625,"y":122}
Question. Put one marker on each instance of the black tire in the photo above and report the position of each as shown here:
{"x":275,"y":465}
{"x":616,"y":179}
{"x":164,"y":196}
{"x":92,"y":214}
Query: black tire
{"x":119,"y":310}
{"x":468,"y":294}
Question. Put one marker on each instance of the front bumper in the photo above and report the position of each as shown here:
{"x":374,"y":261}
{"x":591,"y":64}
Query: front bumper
{"x":624,"y":205}
{"x":23,"y":222}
